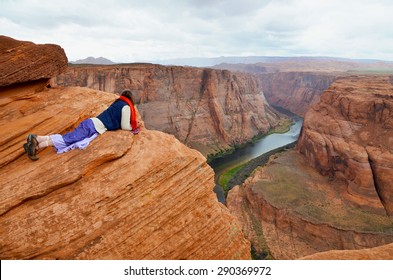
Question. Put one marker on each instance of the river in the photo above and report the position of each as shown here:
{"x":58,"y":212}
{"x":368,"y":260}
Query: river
{"x":252,"y":150}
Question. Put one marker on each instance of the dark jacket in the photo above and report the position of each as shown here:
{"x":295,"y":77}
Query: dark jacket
{"x":111,"y":117}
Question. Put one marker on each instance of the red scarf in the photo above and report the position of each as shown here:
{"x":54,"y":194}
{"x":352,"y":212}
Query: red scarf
{"x":133,"y":122}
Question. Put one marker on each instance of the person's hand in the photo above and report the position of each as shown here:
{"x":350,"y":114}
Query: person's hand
{"x":135,"y":131}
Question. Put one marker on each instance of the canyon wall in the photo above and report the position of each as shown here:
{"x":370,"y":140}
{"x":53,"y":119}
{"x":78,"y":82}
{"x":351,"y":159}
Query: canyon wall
{"x":297,"y":83}
{"x":295,"y":91}
{"x":335,"y":191}
{"x":349,"y":135}
{"x":210,"y":110}
{"x":125,"y":196}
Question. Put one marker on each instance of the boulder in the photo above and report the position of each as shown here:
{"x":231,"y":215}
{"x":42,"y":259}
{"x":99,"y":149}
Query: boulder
{"x":22,"y":61}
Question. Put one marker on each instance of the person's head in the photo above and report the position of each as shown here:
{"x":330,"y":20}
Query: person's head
{"x":128,"y":94}
{"x":132,"y":95}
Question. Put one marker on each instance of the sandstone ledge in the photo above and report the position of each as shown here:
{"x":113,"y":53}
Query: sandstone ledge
{"x":124,"y":197}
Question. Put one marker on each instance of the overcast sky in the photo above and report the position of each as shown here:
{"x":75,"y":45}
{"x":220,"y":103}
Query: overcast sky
{"x":145,"y":30}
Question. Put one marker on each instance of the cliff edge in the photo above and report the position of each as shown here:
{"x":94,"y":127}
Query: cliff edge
{"x":146,"y":196}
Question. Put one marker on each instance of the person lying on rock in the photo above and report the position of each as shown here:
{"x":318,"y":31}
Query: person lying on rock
{"x":120,"y":114}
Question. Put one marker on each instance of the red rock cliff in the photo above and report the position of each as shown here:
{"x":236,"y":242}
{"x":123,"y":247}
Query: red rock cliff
{"x":349,"y":135}
{"x":207,"y":109}
{"x":146,"y":196}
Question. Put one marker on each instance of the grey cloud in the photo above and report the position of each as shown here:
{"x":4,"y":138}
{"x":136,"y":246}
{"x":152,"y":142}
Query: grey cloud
{"x":127,"y":30}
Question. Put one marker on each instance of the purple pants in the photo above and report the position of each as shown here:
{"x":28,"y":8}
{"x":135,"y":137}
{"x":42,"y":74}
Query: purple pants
{"x":80,"y":137}
{"x":84,"y":130}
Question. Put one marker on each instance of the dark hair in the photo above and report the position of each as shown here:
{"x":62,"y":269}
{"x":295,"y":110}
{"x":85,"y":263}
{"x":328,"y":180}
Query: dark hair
{"x":128,"y":94}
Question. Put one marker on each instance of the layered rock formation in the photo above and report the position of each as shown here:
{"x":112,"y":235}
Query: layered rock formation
{"x":336,"y":194}
{"x":295,"y":91}
{"x":349,"y":135}
{"x":210,"y":110}
{"x":124,"y":197}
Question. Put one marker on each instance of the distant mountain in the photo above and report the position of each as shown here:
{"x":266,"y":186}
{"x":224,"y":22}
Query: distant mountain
{"x":310,"y":64}
{"x":213,"y":61}
{"x":92,"y":60}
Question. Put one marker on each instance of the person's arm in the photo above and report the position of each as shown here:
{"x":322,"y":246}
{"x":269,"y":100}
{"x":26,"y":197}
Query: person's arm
{"x":125,"y":118}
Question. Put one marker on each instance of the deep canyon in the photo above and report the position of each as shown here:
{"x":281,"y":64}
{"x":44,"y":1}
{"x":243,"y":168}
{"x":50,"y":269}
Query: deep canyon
{"x":150,"y":196}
